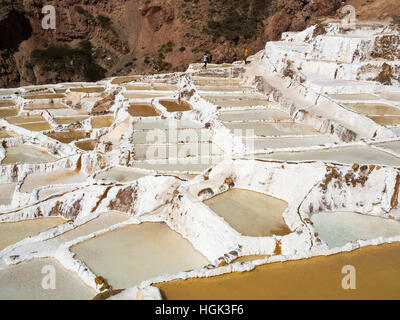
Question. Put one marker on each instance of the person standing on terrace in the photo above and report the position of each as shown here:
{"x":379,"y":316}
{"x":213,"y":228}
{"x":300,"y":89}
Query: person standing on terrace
{"x":246,"y":53}
{"x":205,"y":60}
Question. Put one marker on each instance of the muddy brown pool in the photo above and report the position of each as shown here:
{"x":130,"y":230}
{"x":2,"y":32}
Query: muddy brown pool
{"x":316,"y":278}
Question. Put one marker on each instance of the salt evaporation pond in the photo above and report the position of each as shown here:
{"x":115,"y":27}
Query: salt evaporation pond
{"x":317,"y":278}
{"x":350,"y":155}
{"x":127,"y":256}
{"x":24,"y":282}
{"x":271,"y":129}
{"x":27,"y":154}
{"x":268,"y":114}
{"x":37,"y":180}
{"x":12,"y":232}
{"x":69,"y":120}
{"x":251,"y":213}
{"x":287,"y":142}
{"x":102,"y":121}
{"x":121,"y":174}
{"x":377,"y":109}
{"x":193,"y":165}
{"x":104,"y":221}
{"x":143,"y":110}
{"x":339,"y":228}
{"x":176,"y":105}
{"x":7,"y":192}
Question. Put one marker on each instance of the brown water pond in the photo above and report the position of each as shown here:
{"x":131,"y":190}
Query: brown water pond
{"x":176,"y":105}
{"x":316,"y":278}
{"x":143,"y":110}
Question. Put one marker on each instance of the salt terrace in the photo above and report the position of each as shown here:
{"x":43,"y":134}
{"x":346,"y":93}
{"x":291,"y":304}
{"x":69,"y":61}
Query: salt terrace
{"x":131,"y":185}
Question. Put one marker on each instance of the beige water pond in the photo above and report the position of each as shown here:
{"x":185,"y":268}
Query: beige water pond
{"x":13,"y":232}
{"x":7,"y":192}
{"x":339,"y":228}
{"x":251,"y":213}
{"x":377,"y":109}
{"x":45,"y":106}
{"x":315,"y":278}
{"x":121,"y":80}
{"x":165,"y":87}
{"x":69,"y":120}
{"x":24,"y":282}
{"x":8,"y":112}
{"x":104,"y":221}
{"x":139,"y":86}
{"x":145,"y":95}
{"x":354,"y":96}
{"x":143,"y":110}
{"x":102,"y":121}
{"x":129,"y":255}
{"x":265,"y":129}
{"x":27,"y":154}
{"x":37,"y":180}
{"x":176,"y":105}
{"x":33,"y":123}
{"x":42,"y":96}
{"x":7,"y":134}
{"x":349,"y":155}
{"x":269,"y":114}
{"x":386,"y":120}
{"x":393,"y":96}
{"x":88,"y":89}
{"x":7,"y":103}
{"x":121,"y":174}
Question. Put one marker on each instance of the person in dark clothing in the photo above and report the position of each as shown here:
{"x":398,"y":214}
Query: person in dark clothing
{"x":205,"y":60}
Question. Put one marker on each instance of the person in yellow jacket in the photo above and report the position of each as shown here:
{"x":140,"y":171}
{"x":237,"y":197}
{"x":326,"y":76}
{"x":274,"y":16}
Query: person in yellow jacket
{"x":246,"y":54}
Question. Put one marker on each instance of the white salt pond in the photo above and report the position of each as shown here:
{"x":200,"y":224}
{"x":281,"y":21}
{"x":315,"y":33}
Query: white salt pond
{"x":339,"y":228}
{"x":104,"y":221}
{"x":12,"y":232}
{"x":196,"y":165}
{"x":7,"y":192}
{"x":251,"y":213}
{"x":347,"y":155}
{"x":268,"y":114}
{"x":270,"y":129}
{"x":393,"y":146}
{"x":27,"y":154}
{"x":127,"y":256}
{"x":37,"y":180}
{"x":287,"y":142}
{"x":167,"y":124}
{"x":171,"y":136}
{"x":24,"y":282}
{"x":185,"y":150}
{"x":121,"y":174}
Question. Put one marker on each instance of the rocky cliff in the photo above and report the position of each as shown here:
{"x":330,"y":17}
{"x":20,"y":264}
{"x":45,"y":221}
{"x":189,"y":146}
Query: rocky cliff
{"x":94,"y":39}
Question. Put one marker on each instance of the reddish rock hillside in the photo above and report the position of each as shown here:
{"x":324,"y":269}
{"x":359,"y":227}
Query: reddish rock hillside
{"x":95,"y":38}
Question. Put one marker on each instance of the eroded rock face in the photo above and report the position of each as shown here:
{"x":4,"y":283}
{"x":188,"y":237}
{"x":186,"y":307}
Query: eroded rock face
{"x":123,"y":32}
